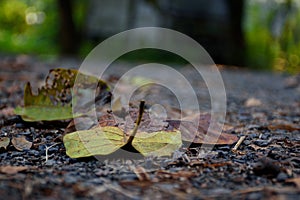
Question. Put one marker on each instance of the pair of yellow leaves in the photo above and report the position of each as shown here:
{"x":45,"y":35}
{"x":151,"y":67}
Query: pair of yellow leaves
{"x":108,"y":139}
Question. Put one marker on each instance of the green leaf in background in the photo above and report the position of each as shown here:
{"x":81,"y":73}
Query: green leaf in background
{"x":46,"y":113}
{"x":54,"y":100}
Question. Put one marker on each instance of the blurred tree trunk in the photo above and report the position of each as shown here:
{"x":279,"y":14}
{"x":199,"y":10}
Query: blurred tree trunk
{"x":68,"y":36}
{"x":236,"y":15}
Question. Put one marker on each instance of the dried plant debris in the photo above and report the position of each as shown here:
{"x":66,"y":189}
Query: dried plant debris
{"x":12,"y":169}
{"x":4,"y":142}
{"x":21,"y":143}
{"x":54,"y":100}
{"x":109,"y":136}
{"x":265,"y":165}
{"x":154,"y":136}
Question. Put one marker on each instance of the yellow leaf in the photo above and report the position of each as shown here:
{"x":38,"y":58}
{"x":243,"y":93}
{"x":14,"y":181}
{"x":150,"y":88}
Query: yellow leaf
{"x":4,"y":142}
{"x":162,"y":143}
{"x":97,"y":141}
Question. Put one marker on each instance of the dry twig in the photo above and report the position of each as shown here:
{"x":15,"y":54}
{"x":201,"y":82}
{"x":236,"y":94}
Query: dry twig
{"x":236,"y":146}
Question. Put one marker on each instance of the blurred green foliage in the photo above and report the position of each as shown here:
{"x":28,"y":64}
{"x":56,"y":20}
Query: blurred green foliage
{"x":272,"y":31}
{"x":29,"y":26}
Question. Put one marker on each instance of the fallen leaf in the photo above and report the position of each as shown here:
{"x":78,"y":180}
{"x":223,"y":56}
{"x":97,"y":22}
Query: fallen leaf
{"x":4,"y":142}
{"x":106,"y":140}
{"x":288,"y":127}
{"x":296,"y":181}
{"x":12,"y":169}
{"x":162,"y":143}
{"x":110,"y":135}
{"x":195,"y":131}
{"x":154,"y":136}
{"x":21,"y":143}
{"x":54,"y":100}
{"x":97,"y":141}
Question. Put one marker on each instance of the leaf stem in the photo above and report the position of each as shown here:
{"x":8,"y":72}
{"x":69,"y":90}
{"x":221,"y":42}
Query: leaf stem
{"x":137,"y":123}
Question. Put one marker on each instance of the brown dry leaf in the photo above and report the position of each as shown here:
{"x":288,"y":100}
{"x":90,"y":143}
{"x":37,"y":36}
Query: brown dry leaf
{"x":287,"y":127}
{"x":21,"y":143}
{"x":4,"y":142}
{"x":296,"y":181}
{"x":188,"y":128}
{"x":12,"y":169}
{"x":228,"y":128}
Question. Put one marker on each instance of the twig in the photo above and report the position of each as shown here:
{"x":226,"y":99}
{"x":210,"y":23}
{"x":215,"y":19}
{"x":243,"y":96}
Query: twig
{"x":137,"y":123}
{"x":236,"y":146}
{"x":47,"y":148}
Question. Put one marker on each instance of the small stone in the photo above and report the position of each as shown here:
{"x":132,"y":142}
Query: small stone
{"x":281,"y":177}
{"x":265,"y":136}
{"x":33,"y":152}
{"x":50,"y":163}
{"x":128,"y":176}
{"x":25,"y":133}
{"x":253,"y":135}
{"x":247,"y":142}
{"x":262,"y":143}
{"x":70,"y":178}
{"x":20,"y":125}
{"x":254,"y":196}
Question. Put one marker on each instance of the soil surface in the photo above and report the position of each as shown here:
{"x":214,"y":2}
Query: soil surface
{"x":262,"y":107}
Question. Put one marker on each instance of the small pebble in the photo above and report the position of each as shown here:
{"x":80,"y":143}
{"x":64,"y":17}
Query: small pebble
{"x":50,"y":163}
{"x":69,"y":178}
{"x":281,"y":177}
{"x":252,"y":135}
{"x":25,"y":133}
{"x":247,"y":142}
{"x":254,"y":196}
{"x":33,"y":152}
{"x":262,"y":143}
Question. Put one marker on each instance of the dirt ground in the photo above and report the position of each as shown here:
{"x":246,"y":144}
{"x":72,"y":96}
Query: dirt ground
{"x":262,"y":106}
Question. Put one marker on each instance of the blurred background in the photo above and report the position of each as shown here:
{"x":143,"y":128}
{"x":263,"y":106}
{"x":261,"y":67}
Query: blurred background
{"x":258,"y":34}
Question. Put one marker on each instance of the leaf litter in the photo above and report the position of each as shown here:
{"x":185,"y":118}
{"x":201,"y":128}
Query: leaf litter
{"x":154,"y":136}
{"x":141,"y":135}
{"x":54,"y":102}
{"x":230,"y":172}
